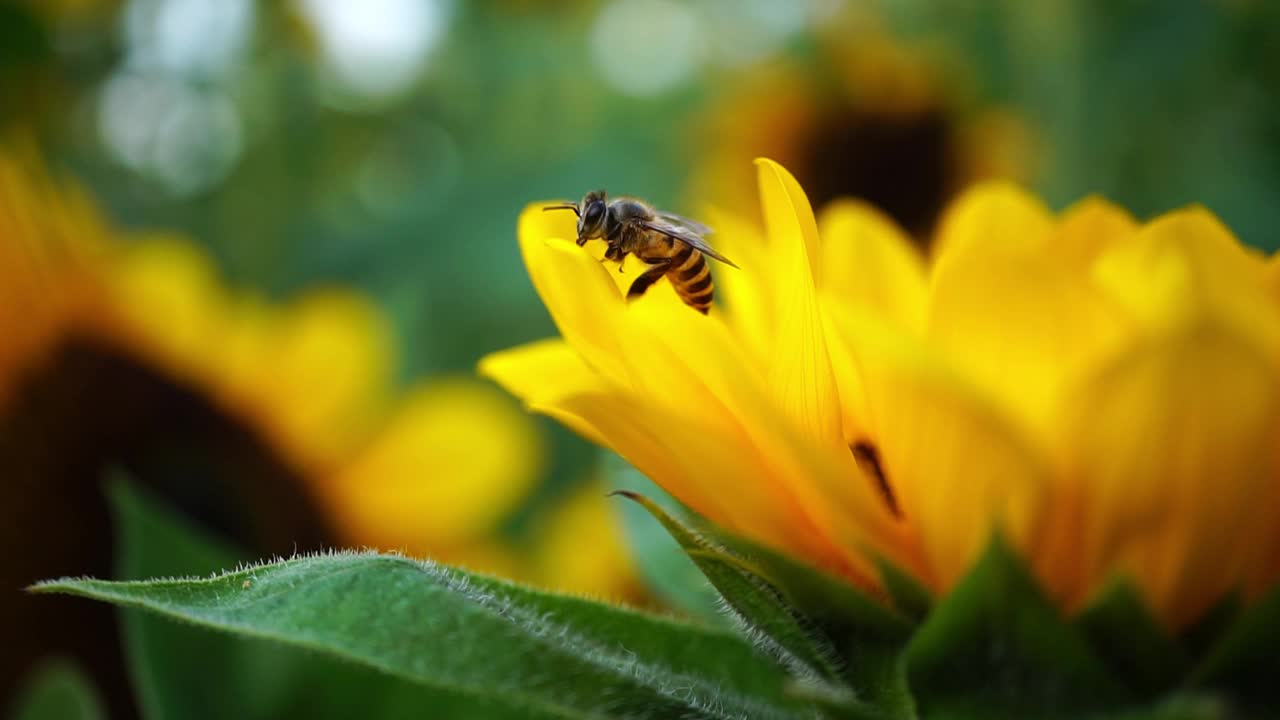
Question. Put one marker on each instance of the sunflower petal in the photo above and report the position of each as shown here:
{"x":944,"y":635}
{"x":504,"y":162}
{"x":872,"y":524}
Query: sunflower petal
{"x":542,"y":372}
{"x":746,"y":291}
{"x":956,"y":466}
{"x":1088,"y":228}
{"x":1020,"y":324}
{"x":582,"y":298}
{"x":704,"y":463}
{"x":800,"y":373}
{"x":1174,"y":448}
{"x":868,"y":262}
{"x":1185,"y":267}
{"x":993,"y":215}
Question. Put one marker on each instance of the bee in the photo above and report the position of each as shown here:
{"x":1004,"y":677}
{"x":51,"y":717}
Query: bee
{"x":672,"y":245}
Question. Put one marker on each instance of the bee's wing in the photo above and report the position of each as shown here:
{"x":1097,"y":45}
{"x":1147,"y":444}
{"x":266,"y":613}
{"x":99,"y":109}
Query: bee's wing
{"x":682,"y":221}
{"x":685,"y":235}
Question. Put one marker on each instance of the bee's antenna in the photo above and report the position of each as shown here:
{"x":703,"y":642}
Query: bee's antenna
{"x":562,"y":206}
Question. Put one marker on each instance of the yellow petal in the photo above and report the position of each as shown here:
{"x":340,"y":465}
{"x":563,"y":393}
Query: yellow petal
{"x":581,"y":547}
{"x":868,"y":261}
{"x":1087,"y":229}
{"x":956,"y":465}
{"x":542,"y":372}
{"x":708,"y":463}
{"x":331,"y":363}
{"x":1022,"y":325}
{"x":1173,"y":447}
{"x":800,"y":373}
{"x":1186,"y":267}
{"x":453,"y":462}
{"x":747,"y":291}
{"x":698,"y":368}
{"x":582,"y":298}
{"x":168,"y":289}
{"x":993,"y":215}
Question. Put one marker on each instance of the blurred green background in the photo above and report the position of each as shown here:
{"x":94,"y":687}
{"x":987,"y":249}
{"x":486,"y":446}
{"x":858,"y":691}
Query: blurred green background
{"x":388,"y":146}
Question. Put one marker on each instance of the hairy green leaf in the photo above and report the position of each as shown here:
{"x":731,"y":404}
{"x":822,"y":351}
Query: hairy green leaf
{"x":184,"y":672}
{"x":480,"y":637}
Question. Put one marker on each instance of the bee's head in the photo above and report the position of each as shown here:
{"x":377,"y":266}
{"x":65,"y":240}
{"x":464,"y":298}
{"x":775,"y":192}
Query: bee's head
{"x":591,"y":215}
{"x":591,"y":212}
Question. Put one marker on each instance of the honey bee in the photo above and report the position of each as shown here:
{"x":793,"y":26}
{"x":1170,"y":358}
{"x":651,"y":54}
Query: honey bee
{"x":672,"y":245}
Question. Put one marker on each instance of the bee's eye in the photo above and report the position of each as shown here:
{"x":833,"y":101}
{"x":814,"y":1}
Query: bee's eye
{"x":594,"y":212}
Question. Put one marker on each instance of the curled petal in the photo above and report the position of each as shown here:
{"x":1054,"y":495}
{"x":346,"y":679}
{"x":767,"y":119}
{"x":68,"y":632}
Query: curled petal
{"x":800,"y":373}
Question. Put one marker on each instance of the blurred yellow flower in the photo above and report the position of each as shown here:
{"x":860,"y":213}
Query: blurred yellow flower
{"x":451,"y":464}
{"x":1104,"y":393}
{"x":867,"y":115}
{"x":434,"y":470}
{"x":581,"y":548}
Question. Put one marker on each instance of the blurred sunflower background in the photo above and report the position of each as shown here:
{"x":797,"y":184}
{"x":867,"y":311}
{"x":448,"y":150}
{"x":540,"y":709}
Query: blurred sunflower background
{"x":250,"y":252}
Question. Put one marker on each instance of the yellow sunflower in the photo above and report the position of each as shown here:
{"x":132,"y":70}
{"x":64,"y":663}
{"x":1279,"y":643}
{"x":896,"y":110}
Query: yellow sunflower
{"x":1105,"y":393}
{"x":120,"y":349}
{"x":869,"y":116}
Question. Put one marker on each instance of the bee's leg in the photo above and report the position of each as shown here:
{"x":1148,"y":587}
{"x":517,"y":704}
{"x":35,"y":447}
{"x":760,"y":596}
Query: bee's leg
{"x":622,"y":259}
{"x":647,"y":278}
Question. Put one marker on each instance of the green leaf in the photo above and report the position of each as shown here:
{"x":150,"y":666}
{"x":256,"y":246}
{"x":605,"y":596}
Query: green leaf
{"x":995,"y":647}
{"x":1245,"y":662}
{"x":58,"y":691}
{"x":437,"y":627}
{"x":185,"y":672}
{"x":1119,"y":628}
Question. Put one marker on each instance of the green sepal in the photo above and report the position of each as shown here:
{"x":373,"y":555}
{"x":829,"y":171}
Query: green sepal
{"x":995,"y":647}
{"x":1121,"y":630}
{"x":758,"y":605}
{"x":1245,"y":661}
{"x":908,"y":596}
{"x":804,"y":610}
{"x":665,"y":568}
{"x":867,"y":635}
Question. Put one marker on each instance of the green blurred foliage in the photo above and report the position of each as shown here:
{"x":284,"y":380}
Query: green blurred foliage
{"x":57,"y":690}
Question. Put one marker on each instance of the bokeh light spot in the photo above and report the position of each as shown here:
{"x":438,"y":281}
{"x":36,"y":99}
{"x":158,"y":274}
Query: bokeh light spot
{"x":183,"y":138}
{"x":377,"y":48}
{"x":646,"y":47}
{"x":190,"y":37}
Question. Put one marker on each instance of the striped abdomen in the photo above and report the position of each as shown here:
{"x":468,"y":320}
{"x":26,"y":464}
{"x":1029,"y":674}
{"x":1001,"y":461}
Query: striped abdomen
{"x":686,"y":268}
{"x":692,"y":281}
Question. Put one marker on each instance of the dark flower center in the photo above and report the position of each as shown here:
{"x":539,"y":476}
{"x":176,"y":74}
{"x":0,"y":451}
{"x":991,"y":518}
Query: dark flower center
{"x":901,"y":163}
{"x":87,"y":411}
